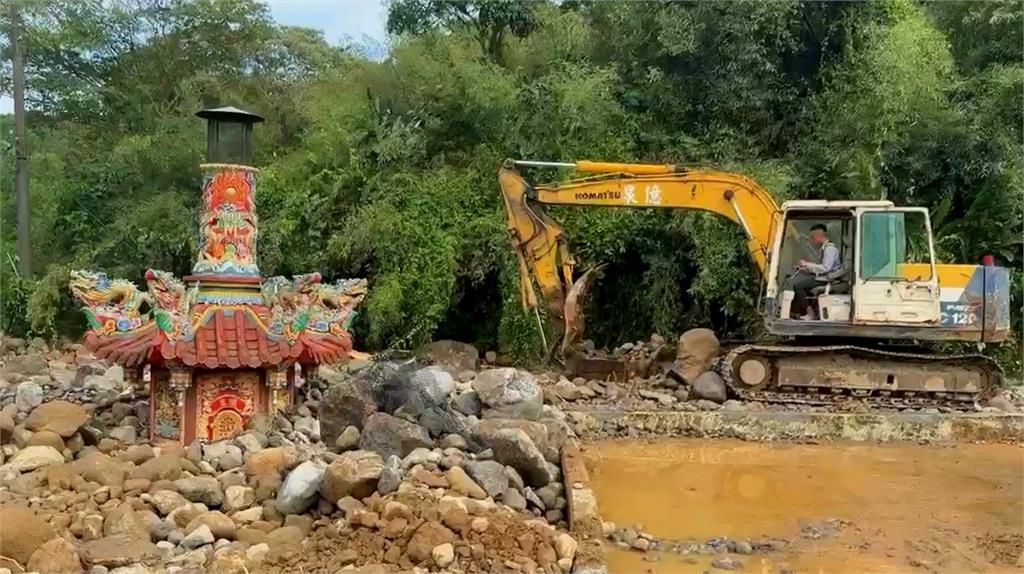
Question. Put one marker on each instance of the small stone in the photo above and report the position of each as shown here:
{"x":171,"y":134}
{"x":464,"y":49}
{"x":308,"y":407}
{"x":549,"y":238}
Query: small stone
{"x":257,"y":553}
{"x":201,"y":536}
{"x":726,"y":563}
{"x":28,"y":396}
{"x":238,"y":497}
{"x":443,"y":554}
{"x":479,"y":524}
{"x":565,"y":546}
{"x":348,"y":439}
{"x":462,"y":484}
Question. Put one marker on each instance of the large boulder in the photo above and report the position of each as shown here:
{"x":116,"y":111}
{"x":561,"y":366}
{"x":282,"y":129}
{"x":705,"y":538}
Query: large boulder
{"x":61,"y":417}
{"x":354,"y":473}
{"x":509,"y":392}
{"x":33,"y":457}
{"x":387,"y":435}
{"x":697,"y":349}
{"x":300,"y":487}
{"x":512,"y":446}
{"x":453,"y":356}
{"x":347,"y":402}
{"x":22,"y":532}
{"x":537,"y":431}
{"x":709,"y":386}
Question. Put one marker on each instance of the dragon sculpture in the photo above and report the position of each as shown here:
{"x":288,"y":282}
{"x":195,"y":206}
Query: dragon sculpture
{"x":110,"y":305}
{"x":172,"y":303}
{"x":304,"y":303}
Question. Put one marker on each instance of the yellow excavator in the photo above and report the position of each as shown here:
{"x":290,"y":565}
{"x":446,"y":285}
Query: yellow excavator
{"x":888,"y":289}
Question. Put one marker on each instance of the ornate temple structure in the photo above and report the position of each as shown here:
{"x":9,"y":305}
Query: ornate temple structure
{"x":223,"y":344}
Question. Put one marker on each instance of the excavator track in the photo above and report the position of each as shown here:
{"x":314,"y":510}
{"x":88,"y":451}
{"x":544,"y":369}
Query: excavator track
{"x":876,"y":377}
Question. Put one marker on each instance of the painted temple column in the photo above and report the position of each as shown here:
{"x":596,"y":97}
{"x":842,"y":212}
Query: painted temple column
{"x":277,"y":380}
{"x":228,"y":224}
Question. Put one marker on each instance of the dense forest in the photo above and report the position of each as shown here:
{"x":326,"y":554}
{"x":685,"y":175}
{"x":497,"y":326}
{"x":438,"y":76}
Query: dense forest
{"x":384,"y":167}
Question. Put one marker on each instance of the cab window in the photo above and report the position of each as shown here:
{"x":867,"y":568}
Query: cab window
{"x":894,"y":245}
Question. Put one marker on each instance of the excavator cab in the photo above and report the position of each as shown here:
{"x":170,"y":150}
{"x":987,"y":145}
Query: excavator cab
{"x":887,"y":276}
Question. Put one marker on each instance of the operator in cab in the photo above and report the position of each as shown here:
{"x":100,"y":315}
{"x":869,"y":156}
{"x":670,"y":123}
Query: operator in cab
{"x":811,"y":274}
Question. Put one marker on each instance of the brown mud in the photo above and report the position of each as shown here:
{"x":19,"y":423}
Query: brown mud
{"x":904,"y":507}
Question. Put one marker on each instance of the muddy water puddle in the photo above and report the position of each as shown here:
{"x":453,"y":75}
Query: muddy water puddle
{"x":903,"y":507}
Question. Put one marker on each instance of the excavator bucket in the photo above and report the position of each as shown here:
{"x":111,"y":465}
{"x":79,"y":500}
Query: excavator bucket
{"x":574,"y":319}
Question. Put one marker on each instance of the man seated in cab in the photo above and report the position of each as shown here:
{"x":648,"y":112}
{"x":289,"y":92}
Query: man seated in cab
{"x":811,"y":274}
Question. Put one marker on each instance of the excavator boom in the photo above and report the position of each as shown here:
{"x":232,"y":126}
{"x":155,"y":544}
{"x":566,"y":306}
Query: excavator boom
{"x":542,"y":251}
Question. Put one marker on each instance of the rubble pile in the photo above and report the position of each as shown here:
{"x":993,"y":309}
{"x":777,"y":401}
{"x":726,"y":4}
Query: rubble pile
{"x":381,"y":466}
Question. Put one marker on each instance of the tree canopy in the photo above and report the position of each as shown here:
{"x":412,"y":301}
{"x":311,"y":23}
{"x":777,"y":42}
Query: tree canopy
{"x":385,"y":168}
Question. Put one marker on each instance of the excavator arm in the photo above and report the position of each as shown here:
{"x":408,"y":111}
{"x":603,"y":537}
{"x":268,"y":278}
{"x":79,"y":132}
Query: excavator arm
{"x":541,"y":248}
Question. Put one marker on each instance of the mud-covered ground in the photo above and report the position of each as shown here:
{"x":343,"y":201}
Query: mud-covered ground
{"x":687,"y":505}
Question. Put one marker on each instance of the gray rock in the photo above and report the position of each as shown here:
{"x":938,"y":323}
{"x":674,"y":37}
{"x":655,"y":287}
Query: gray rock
{"x":348,"y":439}
{"x":28,"y":396}
{"x":435,"y":382}
{"x":532,"y":498}
{"x":442,"y":420}
{"x":512,"y":446}
{"x":201,"y":536}
{"x":488,"y":474}
{"x":348,"y":402}
{"x":548,"y":495}
{"x":514,"y":499}
{"x":123,"y":434}
{"x":509,"y":392}
{"x":251,"y":441}
{"x":515,"y":479}
{"x":308,"y":426}
{"x":390,"y":475}
{"x":709,"y":386}
{"x":387,"y":435}
{"x":300,"y":487}
{"x":468,"y":403}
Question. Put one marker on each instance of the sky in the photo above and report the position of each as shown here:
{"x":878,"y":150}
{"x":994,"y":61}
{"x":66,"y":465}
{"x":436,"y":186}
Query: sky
{"x":359,"y":22}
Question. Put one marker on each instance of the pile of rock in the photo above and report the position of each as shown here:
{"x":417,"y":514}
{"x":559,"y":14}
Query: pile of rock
{"x":662,"y":376}
{"x":32,"y":373}
{"x":387,"y":463}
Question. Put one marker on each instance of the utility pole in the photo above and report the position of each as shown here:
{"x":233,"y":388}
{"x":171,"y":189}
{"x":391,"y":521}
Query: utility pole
{"x":20,"y":143}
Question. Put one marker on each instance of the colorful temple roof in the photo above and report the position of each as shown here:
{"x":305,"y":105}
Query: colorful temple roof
{"x":224,"y":315}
